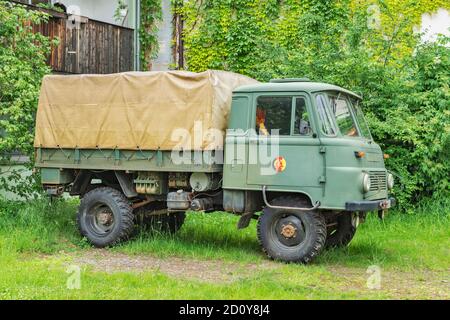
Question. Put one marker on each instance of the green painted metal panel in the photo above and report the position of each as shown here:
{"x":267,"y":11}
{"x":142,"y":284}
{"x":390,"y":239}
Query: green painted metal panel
{"x":120,"y":160}
{"x":304,"y":163}
{"x":56,"y":176}
{"x":240,"y":112}
{"x":293,"y":87}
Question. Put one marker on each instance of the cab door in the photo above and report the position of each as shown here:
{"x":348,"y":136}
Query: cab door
{"x":284,"y":143}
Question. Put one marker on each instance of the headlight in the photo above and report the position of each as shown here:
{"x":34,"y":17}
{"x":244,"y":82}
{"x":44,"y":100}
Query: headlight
{"x":366,"y":182}
{"x":390,"y":181}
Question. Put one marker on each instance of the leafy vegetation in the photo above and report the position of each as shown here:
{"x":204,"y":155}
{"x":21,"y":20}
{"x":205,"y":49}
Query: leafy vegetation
{"x":366,"y":46}
{"x":50,"y":6}
{"x":151,"y":13}
{"x":121,"y":6}
{"x":23,"y":56}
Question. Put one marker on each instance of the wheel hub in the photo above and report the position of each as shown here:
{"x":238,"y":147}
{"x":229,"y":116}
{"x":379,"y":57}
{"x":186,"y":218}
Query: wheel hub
{"x":290,"y":231}
{"x":101,"y":220}
{"x":105,"y":218}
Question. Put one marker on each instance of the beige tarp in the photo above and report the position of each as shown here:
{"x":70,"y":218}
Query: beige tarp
{"x":135,"y":110}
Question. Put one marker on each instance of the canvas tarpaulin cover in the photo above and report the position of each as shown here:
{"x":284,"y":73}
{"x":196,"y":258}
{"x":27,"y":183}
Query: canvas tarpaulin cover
{"x":134,"y":110}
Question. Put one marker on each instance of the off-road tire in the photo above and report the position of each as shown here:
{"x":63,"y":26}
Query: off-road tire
{"x":164,"y":223}
{"x":118,"y":205}
{"x":341,"y":234}
{"x":313,"y":223}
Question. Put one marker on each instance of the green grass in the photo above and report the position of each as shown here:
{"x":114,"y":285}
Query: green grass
{"x":401,"y":244}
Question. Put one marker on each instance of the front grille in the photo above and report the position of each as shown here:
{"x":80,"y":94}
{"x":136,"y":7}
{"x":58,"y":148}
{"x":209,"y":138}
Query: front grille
{"x":377,"y":180}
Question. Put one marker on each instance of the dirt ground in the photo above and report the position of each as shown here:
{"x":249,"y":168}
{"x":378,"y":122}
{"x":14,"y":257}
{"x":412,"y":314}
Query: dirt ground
{"x":182,"y":268}
{"x":398,"y":284}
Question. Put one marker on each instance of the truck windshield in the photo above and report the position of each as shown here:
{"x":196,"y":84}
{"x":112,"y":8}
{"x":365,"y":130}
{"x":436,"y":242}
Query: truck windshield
{"x":346,"y":113}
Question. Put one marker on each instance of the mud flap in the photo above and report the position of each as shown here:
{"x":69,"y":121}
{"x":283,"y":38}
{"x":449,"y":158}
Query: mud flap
{"x":245,"y":219}
{"x":126,"y":183}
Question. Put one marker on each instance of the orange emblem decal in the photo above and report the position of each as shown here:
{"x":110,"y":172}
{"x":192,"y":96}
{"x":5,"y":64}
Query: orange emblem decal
{"x":279,"y":164}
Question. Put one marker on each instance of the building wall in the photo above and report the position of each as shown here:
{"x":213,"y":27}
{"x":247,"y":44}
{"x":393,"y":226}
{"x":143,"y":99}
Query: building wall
{"x":165,"y":34}
{"x":88,"y":46}
{"x":434,"y":24}
{"x":102,"y":10}
{"x":4,"y":170}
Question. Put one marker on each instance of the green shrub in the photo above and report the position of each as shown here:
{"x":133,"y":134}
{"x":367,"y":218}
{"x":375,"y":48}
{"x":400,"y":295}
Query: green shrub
{"x":410,"y":117}
{"x":23,"y":56}
{"x":37,"y":226}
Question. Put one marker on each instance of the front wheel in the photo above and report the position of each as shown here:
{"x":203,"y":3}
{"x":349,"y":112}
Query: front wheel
{"x":105,"y":217}
{"x":291,"y":235}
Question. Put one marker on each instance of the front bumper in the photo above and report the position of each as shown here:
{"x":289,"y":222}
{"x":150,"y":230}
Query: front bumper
{"x":370,"y":205}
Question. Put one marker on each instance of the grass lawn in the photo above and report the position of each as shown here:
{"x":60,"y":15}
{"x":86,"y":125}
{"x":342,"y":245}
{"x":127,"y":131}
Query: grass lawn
{"x":41,"y":251}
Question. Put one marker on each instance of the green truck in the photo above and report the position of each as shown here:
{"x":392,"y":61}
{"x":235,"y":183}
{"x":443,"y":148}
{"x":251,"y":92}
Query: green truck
{"x":296,"y":155}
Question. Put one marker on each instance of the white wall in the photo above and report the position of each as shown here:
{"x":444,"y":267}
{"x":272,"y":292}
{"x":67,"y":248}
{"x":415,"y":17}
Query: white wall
{"x":164,"y":58}
{"x":102,"y":10}
{"x":434,"y":24}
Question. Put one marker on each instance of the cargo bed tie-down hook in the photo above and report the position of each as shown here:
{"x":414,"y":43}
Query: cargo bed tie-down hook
{"x":316,"y":205}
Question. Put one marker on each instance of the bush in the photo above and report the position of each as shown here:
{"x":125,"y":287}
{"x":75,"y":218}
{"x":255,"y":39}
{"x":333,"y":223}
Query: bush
{"x":23,"y":56}
{"x":410,"y":117}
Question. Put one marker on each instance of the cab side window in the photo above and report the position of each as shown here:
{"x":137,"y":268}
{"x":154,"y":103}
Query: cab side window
{"x":273,"y":113}
{"x":302,"y":125}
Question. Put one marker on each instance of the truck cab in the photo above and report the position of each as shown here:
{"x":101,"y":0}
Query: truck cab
{"x":307,"y":148}
{"x":307,"y":138}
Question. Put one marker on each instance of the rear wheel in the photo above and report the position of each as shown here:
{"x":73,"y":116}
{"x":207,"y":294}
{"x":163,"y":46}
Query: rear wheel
{"x":341,"y":229}
{"x":155,"y":217}
{"x":105,"y":217}
{"x":291,"y":235}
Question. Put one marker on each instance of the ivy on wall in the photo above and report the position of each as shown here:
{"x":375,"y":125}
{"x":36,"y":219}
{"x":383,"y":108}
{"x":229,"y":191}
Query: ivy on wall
{"x":151,"y":14}
{"x":395,"y":24}
{"x":228,"y":34}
